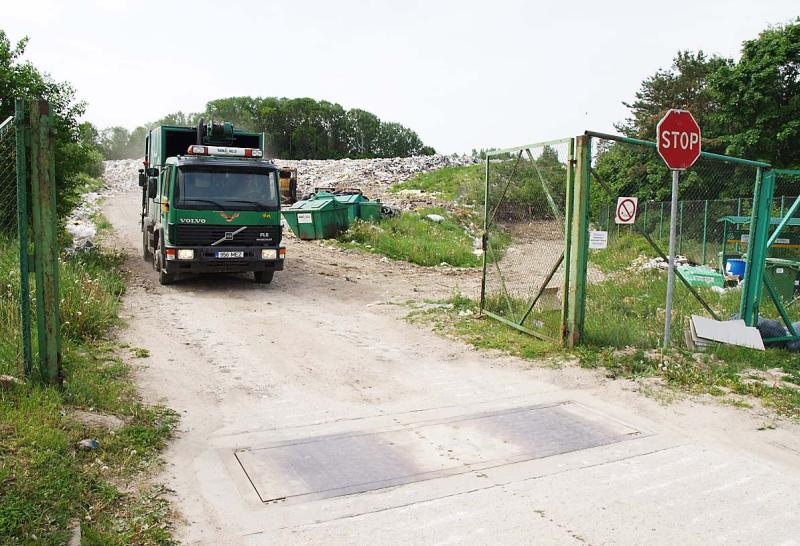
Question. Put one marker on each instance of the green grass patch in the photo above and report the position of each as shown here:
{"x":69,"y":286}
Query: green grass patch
{"x":48,"y":483}
{"x":414,"y":238}
{"x":458,"y":316}
{"x":621,"y":252}
{"x":464,"y":184}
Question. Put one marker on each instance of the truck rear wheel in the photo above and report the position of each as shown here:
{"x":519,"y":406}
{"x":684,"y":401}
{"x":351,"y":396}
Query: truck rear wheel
{"x":263,"y":277}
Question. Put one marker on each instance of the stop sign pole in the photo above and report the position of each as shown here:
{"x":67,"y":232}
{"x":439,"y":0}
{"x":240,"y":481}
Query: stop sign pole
{"x":678,"y":144}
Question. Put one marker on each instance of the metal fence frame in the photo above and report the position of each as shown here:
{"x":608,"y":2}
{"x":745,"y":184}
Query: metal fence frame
{"x":565,"y":257}
{"x":576,"y":229}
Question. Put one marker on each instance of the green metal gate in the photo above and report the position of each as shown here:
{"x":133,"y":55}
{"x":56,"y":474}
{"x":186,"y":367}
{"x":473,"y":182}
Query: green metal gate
{"x":28,"y":237}
{"x":525,"y":265}
{"x":15,"y":345}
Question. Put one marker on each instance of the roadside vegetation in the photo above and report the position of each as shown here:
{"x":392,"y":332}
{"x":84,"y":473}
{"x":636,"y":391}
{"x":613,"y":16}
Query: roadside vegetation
{"x":461,"y":184}
{"x":49,"y":483}
{"x":415,"y":238}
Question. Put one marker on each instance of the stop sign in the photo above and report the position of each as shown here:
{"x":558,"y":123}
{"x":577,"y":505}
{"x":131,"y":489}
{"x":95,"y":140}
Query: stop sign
{"x":678,"y":139}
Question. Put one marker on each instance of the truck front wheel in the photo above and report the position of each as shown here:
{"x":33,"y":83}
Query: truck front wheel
{"x":145,"y":250}
{"x":263,"y":277}
{"x":159,"y":260}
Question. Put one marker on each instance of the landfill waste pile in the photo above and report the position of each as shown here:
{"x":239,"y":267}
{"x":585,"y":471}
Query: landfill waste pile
{"x":372,"y":176}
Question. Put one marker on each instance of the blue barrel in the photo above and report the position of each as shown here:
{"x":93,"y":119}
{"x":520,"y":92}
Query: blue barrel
{"x":735,"y":267}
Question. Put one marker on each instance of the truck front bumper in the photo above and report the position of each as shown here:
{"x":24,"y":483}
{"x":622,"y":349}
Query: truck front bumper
{"x":206,"y":260}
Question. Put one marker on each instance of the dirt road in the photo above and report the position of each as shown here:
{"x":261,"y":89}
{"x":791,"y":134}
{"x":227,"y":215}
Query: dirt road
{"x":312,"y":415}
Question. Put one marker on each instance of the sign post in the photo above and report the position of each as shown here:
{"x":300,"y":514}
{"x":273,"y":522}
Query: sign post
{"x":678,"y":144}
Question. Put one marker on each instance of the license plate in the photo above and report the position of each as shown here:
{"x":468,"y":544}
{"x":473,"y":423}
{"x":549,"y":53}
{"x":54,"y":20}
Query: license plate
{"x":231,"y":254}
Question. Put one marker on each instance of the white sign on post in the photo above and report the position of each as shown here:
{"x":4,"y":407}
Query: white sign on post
{"x":626,"y":210}
{"x":598,"y":240}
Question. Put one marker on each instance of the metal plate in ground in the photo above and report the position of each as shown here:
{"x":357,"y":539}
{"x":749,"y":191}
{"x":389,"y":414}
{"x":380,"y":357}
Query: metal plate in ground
{"x":340,"y":464}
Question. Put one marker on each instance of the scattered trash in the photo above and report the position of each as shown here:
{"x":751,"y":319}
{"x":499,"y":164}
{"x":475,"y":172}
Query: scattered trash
{"x":9,"y":380}
{"x":643,"y":263}
{"x":88,"y":444}
{"x":701,"y":275}
{"x":438,"y":218}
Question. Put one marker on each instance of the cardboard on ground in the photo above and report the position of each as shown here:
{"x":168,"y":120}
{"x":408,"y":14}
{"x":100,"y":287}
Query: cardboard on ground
{"x":731,"y":332}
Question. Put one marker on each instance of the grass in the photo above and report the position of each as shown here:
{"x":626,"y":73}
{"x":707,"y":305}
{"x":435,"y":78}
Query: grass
{"x":48,"y":484}
{"x":414,"y":238}
{"x":458,"y":316}
{"x":451,"y":183}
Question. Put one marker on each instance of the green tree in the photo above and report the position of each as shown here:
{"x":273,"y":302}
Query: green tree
{"x":304,"y":128}
{"x":75,"y":150}
{"x":761,"y":98}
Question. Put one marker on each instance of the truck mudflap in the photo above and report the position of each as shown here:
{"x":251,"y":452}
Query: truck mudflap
{"x":229,"y":259}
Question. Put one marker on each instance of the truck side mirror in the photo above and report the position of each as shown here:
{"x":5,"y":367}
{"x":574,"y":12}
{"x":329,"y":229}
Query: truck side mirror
{"x":152,"y":171}
{"x":142,"y":178}
{"x":152,"y":188}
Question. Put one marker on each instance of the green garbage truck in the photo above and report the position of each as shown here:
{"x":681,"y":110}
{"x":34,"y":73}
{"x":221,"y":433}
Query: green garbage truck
{"x":210,"y":203}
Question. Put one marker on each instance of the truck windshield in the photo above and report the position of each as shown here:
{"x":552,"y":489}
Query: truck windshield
{"x":227,"y":188}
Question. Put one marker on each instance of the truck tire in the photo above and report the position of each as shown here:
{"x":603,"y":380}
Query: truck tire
{"x":145,"y":250}
{"x":263,"y":277}
{"x":164,"y":278}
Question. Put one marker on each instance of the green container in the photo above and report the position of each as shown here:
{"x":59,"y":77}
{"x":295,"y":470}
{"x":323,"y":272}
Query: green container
{"x":352,"y":203}
{"x":785,"y":277}
{"x":701,"y":275}
{"x":369,"y":211}
{"x":316,"y":218}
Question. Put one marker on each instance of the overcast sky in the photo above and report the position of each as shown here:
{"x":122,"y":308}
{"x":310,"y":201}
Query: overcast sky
{"x":463,"y":74}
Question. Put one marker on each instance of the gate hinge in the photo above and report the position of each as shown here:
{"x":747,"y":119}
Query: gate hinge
{"x":484,"y":240}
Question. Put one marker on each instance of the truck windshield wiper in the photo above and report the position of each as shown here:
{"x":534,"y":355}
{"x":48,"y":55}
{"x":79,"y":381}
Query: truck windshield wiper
{"x":204,"y":201}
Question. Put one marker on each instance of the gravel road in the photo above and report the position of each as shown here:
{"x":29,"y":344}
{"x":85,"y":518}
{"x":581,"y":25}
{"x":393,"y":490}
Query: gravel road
{"x":273,"y":382}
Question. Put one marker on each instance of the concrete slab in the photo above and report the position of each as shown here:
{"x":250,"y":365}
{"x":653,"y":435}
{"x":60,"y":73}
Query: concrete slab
{"x":324,"y":466}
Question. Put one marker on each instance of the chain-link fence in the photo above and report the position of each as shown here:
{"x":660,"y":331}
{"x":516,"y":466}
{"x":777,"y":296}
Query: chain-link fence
{"x":627,"y":280}
{"x":11,"y":345}
{"x":524,"y":251}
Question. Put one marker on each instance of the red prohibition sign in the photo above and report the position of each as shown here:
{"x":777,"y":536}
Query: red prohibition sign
{"x":626,"y":210}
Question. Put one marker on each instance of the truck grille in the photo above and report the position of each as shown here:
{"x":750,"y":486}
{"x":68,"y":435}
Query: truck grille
{"x":199,"y":235}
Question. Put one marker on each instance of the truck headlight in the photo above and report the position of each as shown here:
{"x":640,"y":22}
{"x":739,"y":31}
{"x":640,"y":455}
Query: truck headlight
{"x":269,"y":254}
{"x":185,"y":254}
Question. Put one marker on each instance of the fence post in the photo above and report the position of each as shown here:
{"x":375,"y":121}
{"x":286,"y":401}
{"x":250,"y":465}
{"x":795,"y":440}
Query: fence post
{"x":705,"y":229}
{"x":579,"y":247}
{"x":485,"y":238}
{"x":680,"y":231}
{"x":43,"y":200}
{"x":565,"y":289}
{"x":645,"y":217}
{"x":661,"y":224}
{"x":757,"y":246}
{"x":22,"y":135}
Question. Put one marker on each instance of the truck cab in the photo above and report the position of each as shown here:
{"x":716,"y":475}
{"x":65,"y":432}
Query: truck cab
{"x":210,"y":203}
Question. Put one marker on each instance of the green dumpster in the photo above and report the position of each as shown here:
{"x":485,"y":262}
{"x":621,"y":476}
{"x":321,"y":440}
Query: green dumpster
{"x":316,"y":218}
{"x":352,"y":202}
{"x":785,"y":277}
{"x":369,"y":210}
